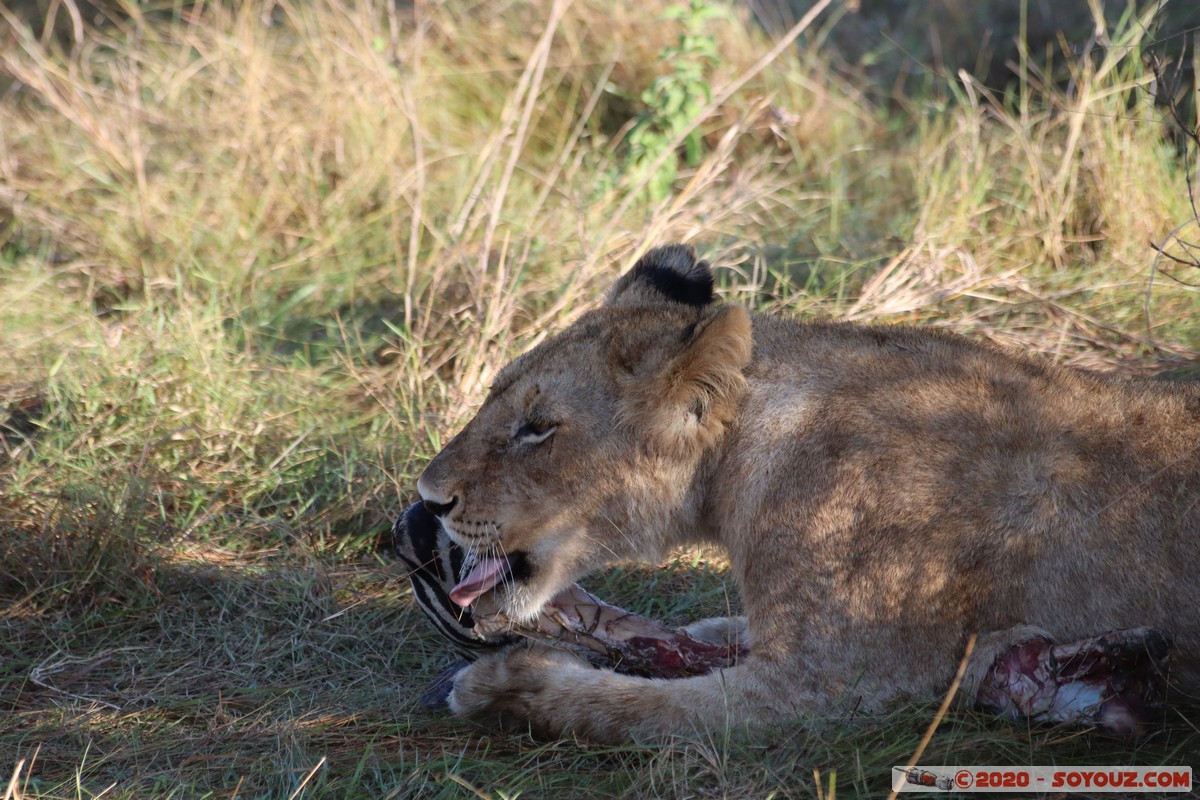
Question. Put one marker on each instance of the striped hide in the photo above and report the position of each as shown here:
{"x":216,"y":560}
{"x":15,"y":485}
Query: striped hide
{"x":435,"y":565}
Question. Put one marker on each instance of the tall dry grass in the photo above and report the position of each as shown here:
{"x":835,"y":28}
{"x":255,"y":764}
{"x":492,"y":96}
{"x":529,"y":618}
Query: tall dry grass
{"x":257,"y":260}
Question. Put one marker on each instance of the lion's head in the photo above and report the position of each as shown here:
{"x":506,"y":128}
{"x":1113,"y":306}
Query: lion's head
{"x":588,"y":447}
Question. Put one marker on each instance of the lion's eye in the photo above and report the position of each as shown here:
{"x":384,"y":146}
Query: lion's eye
{"x":533,"y":432}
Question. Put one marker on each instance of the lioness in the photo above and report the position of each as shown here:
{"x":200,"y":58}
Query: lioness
{"x":882,"y":493}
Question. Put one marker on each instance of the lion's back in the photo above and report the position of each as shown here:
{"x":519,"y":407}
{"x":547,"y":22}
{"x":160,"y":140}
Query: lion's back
{"x":1013,"y":489}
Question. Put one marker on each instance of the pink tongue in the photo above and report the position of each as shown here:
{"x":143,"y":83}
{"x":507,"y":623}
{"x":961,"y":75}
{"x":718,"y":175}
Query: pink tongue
{"x":483,"y":576}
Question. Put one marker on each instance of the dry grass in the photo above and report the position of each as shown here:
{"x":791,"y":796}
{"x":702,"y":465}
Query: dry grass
{"x":259,"y":260}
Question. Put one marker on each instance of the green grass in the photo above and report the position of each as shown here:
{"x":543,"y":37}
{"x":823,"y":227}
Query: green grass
{"x":252,"y":276}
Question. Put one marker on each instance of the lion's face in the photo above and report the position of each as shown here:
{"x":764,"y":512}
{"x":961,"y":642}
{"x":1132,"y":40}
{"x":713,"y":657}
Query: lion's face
{"x":584,"y":450}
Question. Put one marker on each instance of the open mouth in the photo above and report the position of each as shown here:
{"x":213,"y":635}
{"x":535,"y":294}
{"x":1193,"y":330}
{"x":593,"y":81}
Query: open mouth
{"x":487,"y":573}
{"x":423,"y":543}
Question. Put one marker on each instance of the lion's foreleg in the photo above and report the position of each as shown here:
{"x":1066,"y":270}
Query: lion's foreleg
{"x":554,"y":693}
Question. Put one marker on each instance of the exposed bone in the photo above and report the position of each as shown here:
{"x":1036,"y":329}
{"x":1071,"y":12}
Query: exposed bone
{"x":1111,"y":680}
{"x":625,"y":641}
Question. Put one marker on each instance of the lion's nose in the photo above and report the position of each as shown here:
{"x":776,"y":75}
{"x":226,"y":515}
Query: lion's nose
{"x":439,"y":509}
{"x":434,"y":502}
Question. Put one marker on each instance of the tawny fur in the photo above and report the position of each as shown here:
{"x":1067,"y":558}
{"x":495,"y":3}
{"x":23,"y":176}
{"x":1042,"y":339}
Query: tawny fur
{"x":883,"y":494}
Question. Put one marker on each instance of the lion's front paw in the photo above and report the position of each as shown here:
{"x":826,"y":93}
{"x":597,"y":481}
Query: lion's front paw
{"x":510,"y":688}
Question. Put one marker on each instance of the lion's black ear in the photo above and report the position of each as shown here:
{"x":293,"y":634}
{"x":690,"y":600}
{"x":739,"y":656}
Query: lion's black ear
{"x":665,"y":274}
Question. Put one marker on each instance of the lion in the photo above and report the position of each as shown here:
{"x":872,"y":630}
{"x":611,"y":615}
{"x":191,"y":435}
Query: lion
{"x":884,"y":494}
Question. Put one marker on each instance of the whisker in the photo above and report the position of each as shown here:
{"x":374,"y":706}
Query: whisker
{"x":506,"y":580}
{"x":628,"y":540}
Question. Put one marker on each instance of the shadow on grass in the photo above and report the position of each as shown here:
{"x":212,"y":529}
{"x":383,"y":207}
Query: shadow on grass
{"x":235,"y":674}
